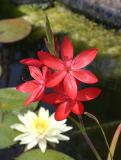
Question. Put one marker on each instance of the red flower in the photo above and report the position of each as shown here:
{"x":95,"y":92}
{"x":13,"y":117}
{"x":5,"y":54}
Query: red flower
{"x":37,"y":86}
{"x":65,"y":104}
{"x":69,"y":69}
{"x":32,"y":62}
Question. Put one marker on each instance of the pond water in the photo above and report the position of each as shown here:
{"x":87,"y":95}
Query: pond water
{"x":106,"y":66}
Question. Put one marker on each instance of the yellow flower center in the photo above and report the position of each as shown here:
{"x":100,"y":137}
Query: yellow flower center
{"x":40,"y":124}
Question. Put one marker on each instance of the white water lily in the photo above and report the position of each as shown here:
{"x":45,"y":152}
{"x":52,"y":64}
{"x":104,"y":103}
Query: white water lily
{"x":40,"y":129}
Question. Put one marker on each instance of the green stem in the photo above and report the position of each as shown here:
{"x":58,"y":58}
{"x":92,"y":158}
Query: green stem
{"x":88,"y":140}
{"x":81,"y":127}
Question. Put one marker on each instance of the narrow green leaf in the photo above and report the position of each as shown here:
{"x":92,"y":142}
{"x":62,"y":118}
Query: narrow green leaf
{"x":114,"y":141}
{"x":93,"y":117}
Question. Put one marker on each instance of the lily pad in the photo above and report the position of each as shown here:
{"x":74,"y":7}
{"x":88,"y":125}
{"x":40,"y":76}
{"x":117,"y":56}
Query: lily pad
{"x":48,"y":155}
{"x":12,"y":30}
{"x":6,"y":133}
{"x":12,"y":100}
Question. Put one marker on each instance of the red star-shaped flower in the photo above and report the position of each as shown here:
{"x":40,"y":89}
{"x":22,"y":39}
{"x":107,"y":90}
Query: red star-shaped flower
{"x":69,"y":69}
{"x":65,"y":104}
{"x":37,"y":86}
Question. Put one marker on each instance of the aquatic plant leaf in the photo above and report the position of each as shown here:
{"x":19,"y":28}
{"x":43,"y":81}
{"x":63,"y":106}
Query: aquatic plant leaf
{"x":1,"y":116}
{"x":12,"y":100}
{"x":48,"y":155}
{"x":6,"y":133}
{"x":12,"y":30}
{"x":114,"y":141}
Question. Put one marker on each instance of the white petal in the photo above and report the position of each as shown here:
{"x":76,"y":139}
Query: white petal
{"x":66,"y":129}
{"x":43,"y":145}
{"x":20,"y":136}
{"x":41,"y":112}
{"x":60,"y":122}
{"x":46,"y":115}
{"x":62,"y":137}
{"x":32,"y":144}
{"x":59,"y":127}
{"x":30,"y":117}
{"x":23,"y":120}
{"x":28,"y":139}
{"x":52,"y":139}
{"x":52,"y":132}
{"x":20,"y":127}
{"x":40,"y":129}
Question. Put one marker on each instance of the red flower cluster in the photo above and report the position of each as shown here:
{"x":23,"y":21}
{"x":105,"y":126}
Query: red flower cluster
{"x":64,"y":80}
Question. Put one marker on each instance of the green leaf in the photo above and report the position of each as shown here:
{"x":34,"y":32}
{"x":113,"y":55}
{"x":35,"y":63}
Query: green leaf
{"x":1,"y":116}
{"x":12,"y":100}
{"x":114,"y":142}
{"x":6,"y":133}
{"x":50,"y":36}
{"x":36,"y":154}
{"x":12,"y":30}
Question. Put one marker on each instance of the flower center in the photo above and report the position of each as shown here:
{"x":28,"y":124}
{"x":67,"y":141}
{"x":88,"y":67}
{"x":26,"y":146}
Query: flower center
{"x":41,"y":125}
{"x":68,"y":70}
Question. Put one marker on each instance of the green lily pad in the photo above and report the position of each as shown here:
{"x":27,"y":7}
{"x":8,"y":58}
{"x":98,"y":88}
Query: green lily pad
{"x":6,"y":133}
{"x":48,"y":155}
{"x":12,"y":100}
{"x":12,"y":30}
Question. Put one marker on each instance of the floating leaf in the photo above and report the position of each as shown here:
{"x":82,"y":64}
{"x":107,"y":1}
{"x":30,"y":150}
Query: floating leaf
{"x":12,"y":100}
{"x":48,"y":155}
{"x":12,"y":30}
{"x":1,"y":116}
{"x":6,"y":133}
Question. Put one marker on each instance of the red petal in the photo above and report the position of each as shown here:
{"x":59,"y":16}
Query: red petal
{"x":84,"y":76}
{"x":35,"y":95}
{"x":28,"y":86}
{"x":53,"y":98}
{"x":67,"y":52}
{"x":59,"y":88}
{"x":88,"y":94}
{"x":55,"y":78}
{"x":62,"y":111}
{"x":32,"y":62}
{"x":56,"y":47}
{"x":84,"y":58}
{"x":51,"y":61}
{"x":77,"y":107}
{"x":44,"y":71}
{"x":70,"y":86}
{"x":36,"y":73}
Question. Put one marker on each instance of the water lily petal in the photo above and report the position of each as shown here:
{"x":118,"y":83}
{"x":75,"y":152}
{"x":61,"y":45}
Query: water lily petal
{"x":28,"y":139}
{"x":23,"y":120}
{"x":52,"y":139}
{"x":84,"y":58}
{"x":28,"y":86}
{"x":67,"y":52}
{"x":53,"y":98}
{"x":62,"y":137}
{"x":88,"y":94}
{"x":43,"y":144}
{"x":76,"y":107}
{"x":84,"y":76}
{"x":32,"y":144}
{"x":35,"y":95}
{"x":36,"y":73}
{"x":62,"y":111}
{"x":55,"y":79}
{"x":70,"y":86}
{"x":66,"y":129}
{"x":32,"y":62}
{"x":51,"y":61}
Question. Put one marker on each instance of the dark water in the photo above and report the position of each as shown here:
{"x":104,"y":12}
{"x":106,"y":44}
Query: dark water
{"x":106,"y":107}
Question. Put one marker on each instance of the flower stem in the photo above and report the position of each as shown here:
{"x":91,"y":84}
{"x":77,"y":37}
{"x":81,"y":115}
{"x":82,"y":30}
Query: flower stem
{"x":81,"y":127}
{"x":87,"y":138}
